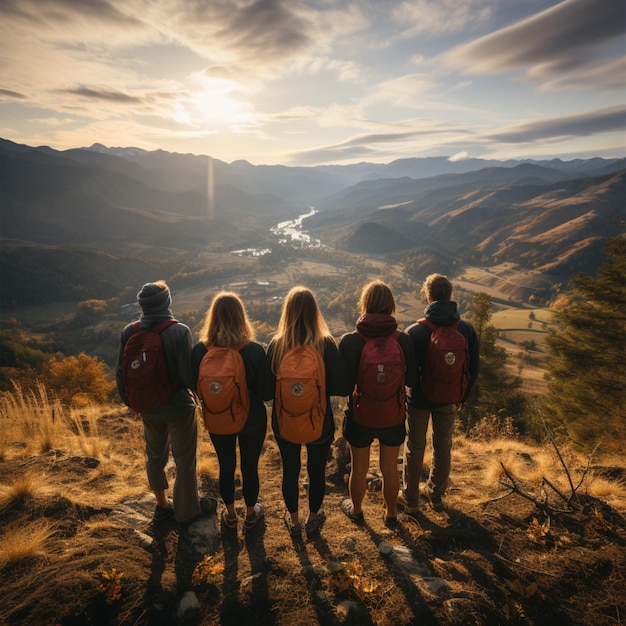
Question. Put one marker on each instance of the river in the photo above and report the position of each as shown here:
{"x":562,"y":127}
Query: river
{"x":290,"y":231}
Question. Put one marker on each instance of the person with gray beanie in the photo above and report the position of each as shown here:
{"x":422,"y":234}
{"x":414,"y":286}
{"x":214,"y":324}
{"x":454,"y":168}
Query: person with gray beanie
{"x":173,"y":426}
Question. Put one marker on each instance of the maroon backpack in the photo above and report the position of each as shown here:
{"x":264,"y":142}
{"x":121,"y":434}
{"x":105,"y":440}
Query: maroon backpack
{"x":379,"y":398}
{"x":146,"y":381}
{"x":445,"y":373}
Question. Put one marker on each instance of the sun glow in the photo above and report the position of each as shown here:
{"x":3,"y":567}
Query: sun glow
{"x":214,"y":102}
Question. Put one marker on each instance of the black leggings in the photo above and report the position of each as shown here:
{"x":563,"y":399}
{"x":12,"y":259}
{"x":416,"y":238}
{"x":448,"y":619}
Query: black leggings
{"x":250,"y":446}
{"x":317,"y":455}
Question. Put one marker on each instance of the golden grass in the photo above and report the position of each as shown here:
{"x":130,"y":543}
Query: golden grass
{"x":27,"y":541}
{"x":22,"y":489}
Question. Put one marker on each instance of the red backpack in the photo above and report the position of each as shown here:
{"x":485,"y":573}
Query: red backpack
{"x":146,"y":381}
{"x":223,"y":390}
{"x":300,"y":398}
{"x":445,"y":374}
{"x":379,"y":398}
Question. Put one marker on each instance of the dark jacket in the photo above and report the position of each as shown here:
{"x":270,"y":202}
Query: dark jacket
{"x":176,"y":341}
{"x":337,"y":384}
{"x":369,"y":326}
{"x":253,"y":355}
{"x":441,"y":313}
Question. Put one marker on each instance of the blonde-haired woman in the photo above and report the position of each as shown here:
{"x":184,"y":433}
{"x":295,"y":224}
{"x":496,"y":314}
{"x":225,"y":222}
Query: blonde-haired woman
{"x":226,"y":325}
{"x":377,"y":306}
{"x":302,"y":324}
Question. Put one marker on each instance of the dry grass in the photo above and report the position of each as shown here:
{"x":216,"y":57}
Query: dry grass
{"x":23,"y":489}
{"x":56,"y":525}
{"x":24,"y":541}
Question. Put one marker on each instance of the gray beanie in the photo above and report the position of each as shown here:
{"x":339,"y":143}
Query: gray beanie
{"x":154,"y":298}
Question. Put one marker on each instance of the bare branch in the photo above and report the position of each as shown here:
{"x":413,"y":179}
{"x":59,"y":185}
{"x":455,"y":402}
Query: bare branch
{"x":558,"y":452}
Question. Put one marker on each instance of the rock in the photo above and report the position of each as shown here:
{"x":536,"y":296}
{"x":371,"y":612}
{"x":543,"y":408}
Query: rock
{"x":145,"y":541}
{"x":432,"y":587}
{"x":189,"y":602}
{"x":459,"y":608}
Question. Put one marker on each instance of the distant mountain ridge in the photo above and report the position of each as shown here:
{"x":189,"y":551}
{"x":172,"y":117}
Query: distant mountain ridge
{"x":549,"y":216}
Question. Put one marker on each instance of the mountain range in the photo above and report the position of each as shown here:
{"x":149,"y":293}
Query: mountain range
{"x":125,"y":207}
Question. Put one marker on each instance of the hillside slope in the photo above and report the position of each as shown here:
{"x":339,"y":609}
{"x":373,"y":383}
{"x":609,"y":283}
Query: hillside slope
{"x":78,"y":544}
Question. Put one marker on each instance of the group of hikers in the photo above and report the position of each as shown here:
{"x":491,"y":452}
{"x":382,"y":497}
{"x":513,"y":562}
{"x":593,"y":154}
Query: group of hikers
{"x":396,"y":384}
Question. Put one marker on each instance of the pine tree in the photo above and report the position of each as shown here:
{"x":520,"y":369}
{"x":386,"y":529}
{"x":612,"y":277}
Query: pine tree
{"x":587,"y":363}
{"x":497,"y":390}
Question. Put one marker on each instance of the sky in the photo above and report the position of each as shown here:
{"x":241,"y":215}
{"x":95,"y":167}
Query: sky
{"x":318,"y":81}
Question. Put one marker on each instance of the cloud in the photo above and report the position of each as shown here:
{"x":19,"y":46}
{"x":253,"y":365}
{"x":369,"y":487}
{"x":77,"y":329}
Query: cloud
{"x":107,"y":95}
{"x":7,"y":93}
{"x":435,"y":17}
{"x":559,"y":40}
{"x":460,"y":156}
{"x":362,"y":146}
{"x":611,"y":119}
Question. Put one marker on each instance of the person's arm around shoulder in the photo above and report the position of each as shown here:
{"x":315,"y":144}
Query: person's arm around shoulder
{"x":338,"y":379}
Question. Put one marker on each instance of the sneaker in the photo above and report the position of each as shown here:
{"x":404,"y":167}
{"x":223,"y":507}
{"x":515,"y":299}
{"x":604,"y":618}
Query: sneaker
{"x":348,"y":508}
{"x":403,"y":503}
{"x":313,"y":524}
{"x":251,"y":520}
{"x":434,"y":499}
{"x":294,"y":529}
{"x":228,"y":521}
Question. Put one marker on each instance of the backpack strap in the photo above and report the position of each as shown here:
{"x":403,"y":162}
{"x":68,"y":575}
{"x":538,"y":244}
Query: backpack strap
{"x":426,"y":322}
{"x":395,"y":334}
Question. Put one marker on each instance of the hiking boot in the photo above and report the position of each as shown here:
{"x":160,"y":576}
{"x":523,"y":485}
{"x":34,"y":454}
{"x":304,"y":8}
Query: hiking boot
{"x":434,"y":498}
{"x":348,"y":508}
{"x":403,"y":503}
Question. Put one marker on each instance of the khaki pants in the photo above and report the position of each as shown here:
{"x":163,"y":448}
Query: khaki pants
{"x":181,"y":435}
{"x":443,"y":419}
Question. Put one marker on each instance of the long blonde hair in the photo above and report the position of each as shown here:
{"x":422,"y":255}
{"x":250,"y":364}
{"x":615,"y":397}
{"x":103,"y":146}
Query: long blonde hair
{"x":226,"y":323}
{"x":301,"y":323}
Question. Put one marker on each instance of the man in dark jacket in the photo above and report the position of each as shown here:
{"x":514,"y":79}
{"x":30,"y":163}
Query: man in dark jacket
{"x":174,"y":425}
{"x":441,"y":311}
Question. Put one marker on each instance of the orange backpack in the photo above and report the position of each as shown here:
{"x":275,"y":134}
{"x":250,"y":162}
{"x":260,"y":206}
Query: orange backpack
{"x":223,"y":390}
{"x":301,"y":395}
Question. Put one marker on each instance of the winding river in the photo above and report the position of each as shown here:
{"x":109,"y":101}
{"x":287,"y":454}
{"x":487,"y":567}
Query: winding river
{"x":289,"y":231}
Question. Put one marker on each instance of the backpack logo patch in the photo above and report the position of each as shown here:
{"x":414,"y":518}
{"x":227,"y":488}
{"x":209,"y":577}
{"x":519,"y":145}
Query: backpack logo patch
{"x":300,"y":398}
{"x":449,"y":358}
{"x":379,"y":398}
{"x":297,"y":389}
